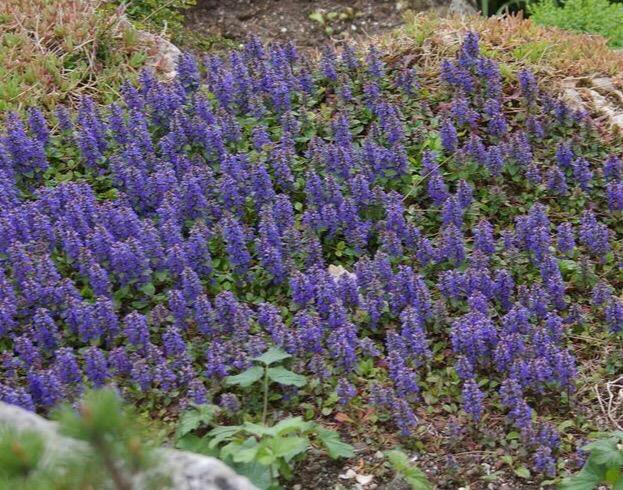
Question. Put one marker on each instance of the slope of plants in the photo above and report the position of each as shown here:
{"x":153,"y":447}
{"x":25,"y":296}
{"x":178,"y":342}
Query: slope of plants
{"x":440,"y":260}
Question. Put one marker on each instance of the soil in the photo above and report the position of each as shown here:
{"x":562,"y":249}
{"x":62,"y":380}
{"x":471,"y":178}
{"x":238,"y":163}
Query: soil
{"x":308,"y":23}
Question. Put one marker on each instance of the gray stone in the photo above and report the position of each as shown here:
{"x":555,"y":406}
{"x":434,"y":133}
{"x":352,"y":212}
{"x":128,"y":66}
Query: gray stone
{"x":187,"y":471}
{"x":461,"y":7}
{"x":162,"y":53}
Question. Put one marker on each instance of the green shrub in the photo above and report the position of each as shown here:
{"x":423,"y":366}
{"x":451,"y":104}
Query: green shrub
{"x":264,"y":453}
{"x":592,"y":16}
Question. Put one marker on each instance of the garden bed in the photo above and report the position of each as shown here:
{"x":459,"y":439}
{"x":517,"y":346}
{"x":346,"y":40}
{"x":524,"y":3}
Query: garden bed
{"x":414,"y":245}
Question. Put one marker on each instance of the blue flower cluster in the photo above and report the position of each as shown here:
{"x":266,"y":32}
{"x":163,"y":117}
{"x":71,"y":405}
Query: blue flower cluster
{"x":237,"y":189}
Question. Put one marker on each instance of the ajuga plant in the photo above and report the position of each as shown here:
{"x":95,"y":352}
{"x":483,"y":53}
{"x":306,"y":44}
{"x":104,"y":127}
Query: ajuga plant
{"x":110,"y":452}
{"x":416,"y":247}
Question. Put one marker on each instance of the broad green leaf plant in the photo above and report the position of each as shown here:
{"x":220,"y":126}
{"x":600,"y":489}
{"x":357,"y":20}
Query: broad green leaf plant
{"x":604,"y":465}
{"x":408,"y":471}
{"x":264,"y":453}
{"x":264,"y":369}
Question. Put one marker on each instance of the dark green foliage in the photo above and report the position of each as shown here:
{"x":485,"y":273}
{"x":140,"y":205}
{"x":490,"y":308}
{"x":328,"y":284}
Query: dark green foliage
{"x":259,"y":451}
{"x":262,"y":453}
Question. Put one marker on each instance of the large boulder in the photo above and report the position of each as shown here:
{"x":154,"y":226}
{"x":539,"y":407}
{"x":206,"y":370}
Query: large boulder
{"x":188,"y":471}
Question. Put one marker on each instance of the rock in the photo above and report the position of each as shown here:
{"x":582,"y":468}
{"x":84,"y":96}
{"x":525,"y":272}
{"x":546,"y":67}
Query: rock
{"x":187,"y":471}
{"x":461,"y":7}
{"x":349,"y":475}
{"x":190,"y":471}
{"x":337,"y":271}
{"x":163,"y":54}
{"x":364,"y":479}
{"x":599,"y":94}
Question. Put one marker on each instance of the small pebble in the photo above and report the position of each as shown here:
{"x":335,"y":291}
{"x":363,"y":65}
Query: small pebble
{"x":364,"y":479}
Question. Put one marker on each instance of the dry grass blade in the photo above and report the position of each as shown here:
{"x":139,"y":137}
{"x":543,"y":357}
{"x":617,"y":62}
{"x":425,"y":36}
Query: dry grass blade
{"x":610,"y":398}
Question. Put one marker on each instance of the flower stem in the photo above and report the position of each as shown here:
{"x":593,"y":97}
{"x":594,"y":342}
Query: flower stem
{"x":265,"y":409}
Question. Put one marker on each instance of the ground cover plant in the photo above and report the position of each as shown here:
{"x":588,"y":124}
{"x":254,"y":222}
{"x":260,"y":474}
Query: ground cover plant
{"x":593,"y":16}
{"x":441,"y":261}
{"x":56,"y":51}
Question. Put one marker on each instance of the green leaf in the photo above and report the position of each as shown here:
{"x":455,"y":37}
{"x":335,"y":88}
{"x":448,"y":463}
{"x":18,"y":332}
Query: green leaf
{"x":317,"y":16}
{"x":289,"y":425}
{"x":288,"y":447}
{"x":335,"y":447}
{"x":522,"y":472}
{"x":246,"y":378}
{"x":259,"y":474}
{"x":229,"y":450}
{"x":286,"y":377}
{"x":588,"y":478}
{"x":245,"y":455}
{"x":416,"y":478}
{"x":285,"y":469}
{"x":613,"y":474}
{"x":222,"y":433}
{"x":605,"y":452}
{"x":149,"y":289}
{"x":562,"y":427}
{"x":567,"y":265}
{"x":258,"y":429}
{"x":191,"y":419}
{"x":272,"y":355}
{"x":196,"y":444}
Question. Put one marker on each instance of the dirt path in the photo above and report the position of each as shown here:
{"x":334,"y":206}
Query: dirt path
{"x":308,"y":23}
